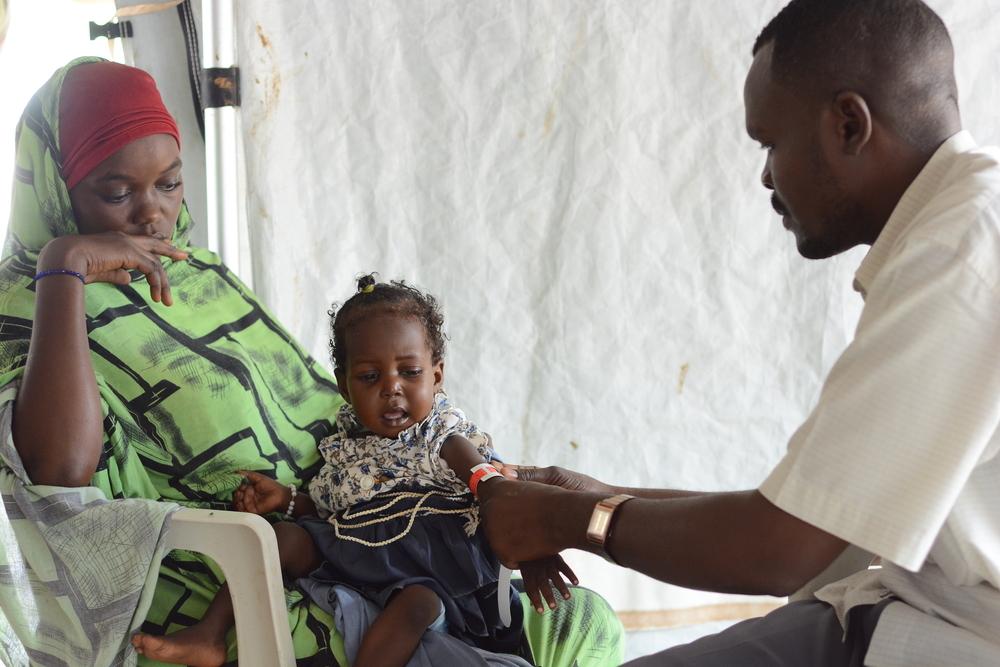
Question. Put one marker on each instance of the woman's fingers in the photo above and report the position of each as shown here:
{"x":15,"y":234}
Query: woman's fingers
{"x":154,"y":278}
{"x":115,"y":276}
{"x":161,"y":246}
{"x":149,"y":263}
{"x":141,"y":253}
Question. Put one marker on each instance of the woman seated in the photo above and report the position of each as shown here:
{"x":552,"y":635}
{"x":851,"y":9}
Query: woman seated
{"x":147,"y":369}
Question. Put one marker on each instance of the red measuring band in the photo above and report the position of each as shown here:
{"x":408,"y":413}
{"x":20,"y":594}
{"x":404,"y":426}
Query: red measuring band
{"x":479,"y":473}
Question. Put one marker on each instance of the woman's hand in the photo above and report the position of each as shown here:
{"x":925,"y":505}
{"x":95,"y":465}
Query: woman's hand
{"x":108,"y":257}
{"x":556,"y":476}
{"x":261,"y":495}
{"x":541,"y":575}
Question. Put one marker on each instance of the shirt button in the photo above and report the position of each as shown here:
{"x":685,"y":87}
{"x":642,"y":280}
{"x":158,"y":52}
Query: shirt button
{"x":367,"y":482}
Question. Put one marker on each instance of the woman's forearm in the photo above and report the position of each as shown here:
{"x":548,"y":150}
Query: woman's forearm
{"x":57,"y":416}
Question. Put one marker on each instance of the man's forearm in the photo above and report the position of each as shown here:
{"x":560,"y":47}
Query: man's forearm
{"x":724,"y":542}
{"x":656,"y":494}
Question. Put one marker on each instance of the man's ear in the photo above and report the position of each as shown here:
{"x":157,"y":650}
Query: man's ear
{"x":438,"y":374}
{"x":851,"y":122}
{"x":341,"y":377}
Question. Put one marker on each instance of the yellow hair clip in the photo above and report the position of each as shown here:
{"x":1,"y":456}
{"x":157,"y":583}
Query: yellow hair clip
{"x":366,"y":284}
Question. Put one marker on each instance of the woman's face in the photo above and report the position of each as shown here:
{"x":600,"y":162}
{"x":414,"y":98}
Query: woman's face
{"x":137,"y":190}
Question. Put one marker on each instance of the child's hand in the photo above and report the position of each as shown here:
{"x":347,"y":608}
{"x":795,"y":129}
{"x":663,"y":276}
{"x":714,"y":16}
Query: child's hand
{"x":537,"y":577}
{"x":261,"y":495}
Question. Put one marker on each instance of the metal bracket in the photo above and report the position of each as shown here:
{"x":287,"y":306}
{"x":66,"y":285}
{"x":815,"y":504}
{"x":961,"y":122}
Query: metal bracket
{"x":111,"y":30}
{"x":220,"y":87}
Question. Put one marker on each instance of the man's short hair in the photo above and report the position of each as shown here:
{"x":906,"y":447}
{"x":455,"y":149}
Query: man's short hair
{"x":896,"y":53}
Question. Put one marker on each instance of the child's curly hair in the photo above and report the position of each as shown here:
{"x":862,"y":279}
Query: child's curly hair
{"x":395,"y":297}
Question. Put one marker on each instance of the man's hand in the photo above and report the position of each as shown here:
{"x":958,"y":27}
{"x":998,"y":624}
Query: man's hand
{"x":261,"y":495}
{"x":561,"y":477}
{"x":541,"y":575}
{"x":526,"y":521}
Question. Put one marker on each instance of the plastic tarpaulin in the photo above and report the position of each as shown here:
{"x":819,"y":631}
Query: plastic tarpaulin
{"x":573,"y":181}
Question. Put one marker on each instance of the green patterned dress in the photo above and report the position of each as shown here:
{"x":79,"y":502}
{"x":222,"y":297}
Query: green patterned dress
{"x":195,"y":392}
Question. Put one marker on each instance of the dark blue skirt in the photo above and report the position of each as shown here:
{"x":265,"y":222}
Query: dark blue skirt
{"x":436,"y":553}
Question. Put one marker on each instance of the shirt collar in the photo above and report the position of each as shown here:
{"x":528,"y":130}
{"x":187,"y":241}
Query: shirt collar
{"x":917,"y":195}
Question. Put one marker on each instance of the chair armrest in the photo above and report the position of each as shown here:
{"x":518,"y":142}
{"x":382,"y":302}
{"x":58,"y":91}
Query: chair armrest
{"x":243,"y":545}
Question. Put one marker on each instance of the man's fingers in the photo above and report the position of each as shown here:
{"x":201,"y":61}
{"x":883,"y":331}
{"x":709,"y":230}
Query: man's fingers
{"x":527,"y":473}
{"x":508,"y":470}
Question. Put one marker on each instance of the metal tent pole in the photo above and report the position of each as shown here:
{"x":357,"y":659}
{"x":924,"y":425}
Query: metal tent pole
{"x":222,"y":172}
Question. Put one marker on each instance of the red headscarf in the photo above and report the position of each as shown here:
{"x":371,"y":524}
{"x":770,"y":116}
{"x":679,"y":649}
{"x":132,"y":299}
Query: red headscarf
{"x":103,"y":107}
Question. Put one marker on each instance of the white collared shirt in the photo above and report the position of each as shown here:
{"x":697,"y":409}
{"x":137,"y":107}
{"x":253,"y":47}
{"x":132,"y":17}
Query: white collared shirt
{"x":899,"y":455}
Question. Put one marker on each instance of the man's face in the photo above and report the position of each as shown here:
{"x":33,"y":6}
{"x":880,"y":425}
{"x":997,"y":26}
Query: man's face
{"x":806,"y":193}
{"x":391,"y":378}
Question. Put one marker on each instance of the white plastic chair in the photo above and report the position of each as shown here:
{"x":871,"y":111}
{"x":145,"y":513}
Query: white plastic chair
{"x":243,"y":545}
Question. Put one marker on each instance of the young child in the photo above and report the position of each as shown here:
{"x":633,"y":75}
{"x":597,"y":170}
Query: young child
{"x":390,"y":513}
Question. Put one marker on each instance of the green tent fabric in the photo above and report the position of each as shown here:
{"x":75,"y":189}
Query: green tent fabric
{"x":195,"y":392}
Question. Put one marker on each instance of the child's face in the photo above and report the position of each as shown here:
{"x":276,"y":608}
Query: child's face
{"x":390,"y":378}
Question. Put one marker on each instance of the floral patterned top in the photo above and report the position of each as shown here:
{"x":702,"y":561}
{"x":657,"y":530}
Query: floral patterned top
{"x":359,"y":465}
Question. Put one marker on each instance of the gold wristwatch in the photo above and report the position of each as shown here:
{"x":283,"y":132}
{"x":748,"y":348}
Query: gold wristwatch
{"x":601,"y":521}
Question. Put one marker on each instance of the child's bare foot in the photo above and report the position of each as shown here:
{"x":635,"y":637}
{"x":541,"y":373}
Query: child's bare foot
{"x":192,"y":646}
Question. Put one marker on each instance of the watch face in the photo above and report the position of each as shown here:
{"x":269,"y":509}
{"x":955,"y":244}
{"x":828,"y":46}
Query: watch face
{"x":600,"y":521}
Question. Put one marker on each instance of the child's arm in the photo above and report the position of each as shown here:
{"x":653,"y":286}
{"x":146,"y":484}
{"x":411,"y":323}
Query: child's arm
{"x":541,"y":575}
{"x":461,"y":455}
{"x":263,"y":495}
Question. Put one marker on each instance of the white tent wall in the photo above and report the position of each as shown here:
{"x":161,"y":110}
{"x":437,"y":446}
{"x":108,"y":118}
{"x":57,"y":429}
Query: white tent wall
{"x":572,"y":180}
